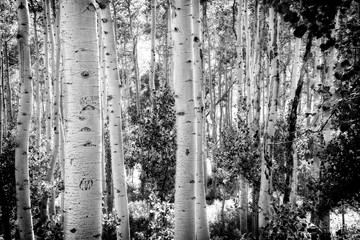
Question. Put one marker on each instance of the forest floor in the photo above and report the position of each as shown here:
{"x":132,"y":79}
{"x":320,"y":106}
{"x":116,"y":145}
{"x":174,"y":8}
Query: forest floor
{"x":214,"y":210}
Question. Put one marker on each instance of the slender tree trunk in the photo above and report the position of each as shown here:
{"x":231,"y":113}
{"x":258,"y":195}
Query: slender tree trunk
{"x":83,"y":179}
{"x":7,"y":90}
{"x":266,"y":164}
{"x":255,"y":212}
{"x":239,"y":51}
{"x":135,"y":61}
{"x":292,"y":124}
{"x":295,"y":68}
{"x":185,"y":122}
{"x":243,"y":204}
{"x":202,"y":228}
{"x":115,"y":125}
{"x":211,"y":88}
{"x":49,"y":207}
{"x":48,"y":81}
{"x":62,"y":170}
{"x":170,"y":62}
{"x":37,"y":77}
{"x":23,"y":125}
{"x":3,"y":88}
{"x":103,"y":109}
{"x":240,"y":67}
{"x":152,"y":59}
{"x":1,"y":96}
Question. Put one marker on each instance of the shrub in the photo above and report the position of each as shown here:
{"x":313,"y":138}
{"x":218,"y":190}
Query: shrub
{"x":226,"y":225}
{"x":287,"y":223}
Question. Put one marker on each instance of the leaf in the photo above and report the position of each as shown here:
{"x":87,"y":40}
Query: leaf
{"x":345,"y":63}
{"x":300,"y":31}
{"x":283,"y":8}
{"x":294,"y":18}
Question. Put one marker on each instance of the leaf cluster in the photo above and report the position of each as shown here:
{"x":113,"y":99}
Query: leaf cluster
{"x":152,"y":143}
{"x":287,"y":223}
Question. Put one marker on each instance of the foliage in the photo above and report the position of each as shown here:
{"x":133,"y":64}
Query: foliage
{"x":152,"y":220}
{"x":7,"y":186}
{"x":50,"y":230}
{"x":225,"y":225}
{"x":237,"y":154}
{"x":350,"y":234}
{"x":340,"y":172}
{"x":109,"y":223}
{"x":287,"y":223}
{"x":152,"y":144}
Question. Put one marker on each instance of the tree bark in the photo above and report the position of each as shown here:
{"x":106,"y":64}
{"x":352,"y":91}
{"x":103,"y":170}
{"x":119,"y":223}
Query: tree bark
{"x":49,"y":206}
{"x":7,"y":87}
{"x":202,"y":228}
{"x":37,"y":77}
{"x":266,"y":164}
{"x":152,"y":57}
{"x":24,"y":217}
{"x":83,"y":179}
{"x":185,"y":122}
{"x":48,"y":78}
{"x":292,"y":124}
{"x":115,"y":120}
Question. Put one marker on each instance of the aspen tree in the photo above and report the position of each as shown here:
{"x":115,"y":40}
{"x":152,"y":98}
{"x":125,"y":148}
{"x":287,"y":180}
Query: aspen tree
{"x":211,"y":88}
{"x":51,"y":37}
{"x":170,"y":62}
{"x":264,"y":199}
{"x":49,"y":208}
{"x":295,"y":67}
{"x":318,"y":75}
{"x":152,"y":57}
{"x":37,"y":77}
{"x":83,"y":182}
{"x":240,"y":67}
{"x":7,"y":88}
{"x":23,"y":204}
{"x":290,"y":145}
{"x":247,"y":61}
{"x":115,"y":126}
{"x":103,"y":108}
{"x":220,"y":101}
{"x":1,"y":100}
{"x":266,"y":159}
{"x":135,"y":59}
{"x":202,"y":229}
{"x":185,"y":122}
{"x":239,"y":50}
{"x":48,"y":84}
{"x":255,"y":66}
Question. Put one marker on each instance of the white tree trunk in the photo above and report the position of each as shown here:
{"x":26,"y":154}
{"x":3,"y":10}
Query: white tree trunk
{"x":243,"y":204}
{"x":202,"y":229}
{"x":23,"y":125}
{"x":170,"y":47}
{"x":48,"y":84}
{"x":185,"y":122}
{"x":295,"y":68}
{"x":115,"y":126}
{"x":37,"y":78}
{"x":83,"y":182}
{"x":152,"y":57}
{"x":265,"y":186}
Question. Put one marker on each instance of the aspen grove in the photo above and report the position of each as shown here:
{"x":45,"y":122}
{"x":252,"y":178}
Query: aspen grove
{"x":179,"y":119}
